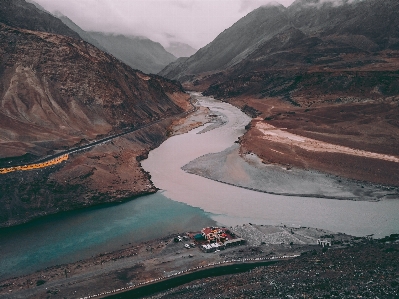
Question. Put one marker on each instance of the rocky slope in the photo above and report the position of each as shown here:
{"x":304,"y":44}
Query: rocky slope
{"x":57,"y":91}
{"x":309,"y":33}
{"x":137,"y":52}
{"x":319,"y":69}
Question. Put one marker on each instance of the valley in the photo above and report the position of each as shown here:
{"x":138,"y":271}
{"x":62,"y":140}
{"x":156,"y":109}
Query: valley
{"x":117,"y":138}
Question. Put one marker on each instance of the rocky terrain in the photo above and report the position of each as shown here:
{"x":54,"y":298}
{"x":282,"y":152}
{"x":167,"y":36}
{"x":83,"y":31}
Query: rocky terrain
{"x":364,"y":269}
{"x":322,"y":70}
{"x":58,"y":91}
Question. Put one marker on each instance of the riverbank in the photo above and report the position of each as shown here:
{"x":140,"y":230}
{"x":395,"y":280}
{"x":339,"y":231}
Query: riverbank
{"x":138,"y":264}
{"x":248,"y":171}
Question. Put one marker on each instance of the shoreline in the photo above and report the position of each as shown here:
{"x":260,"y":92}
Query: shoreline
{"x":247,"y":171}
{"x":156,"y":266}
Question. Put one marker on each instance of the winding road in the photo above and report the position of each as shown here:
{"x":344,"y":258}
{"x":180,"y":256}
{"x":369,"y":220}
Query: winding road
{"x":62,"y":156}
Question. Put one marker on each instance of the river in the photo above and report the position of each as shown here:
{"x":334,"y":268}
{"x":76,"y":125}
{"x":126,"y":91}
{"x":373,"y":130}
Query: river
{"x":187,"y":202}
{"x":232,"y":205}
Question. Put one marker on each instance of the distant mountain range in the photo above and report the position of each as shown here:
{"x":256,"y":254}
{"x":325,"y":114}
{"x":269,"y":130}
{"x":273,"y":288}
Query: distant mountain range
{"x":308,"y":36}
{"x":138,"y":52}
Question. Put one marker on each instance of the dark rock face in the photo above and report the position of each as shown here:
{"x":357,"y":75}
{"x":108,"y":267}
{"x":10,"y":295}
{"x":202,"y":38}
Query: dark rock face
{"x":233,"y":44}
{"x":19,"y":14}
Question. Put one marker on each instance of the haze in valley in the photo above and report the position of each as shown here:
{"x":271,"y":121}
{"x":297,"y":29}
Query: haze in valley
{"x":194,"y":22}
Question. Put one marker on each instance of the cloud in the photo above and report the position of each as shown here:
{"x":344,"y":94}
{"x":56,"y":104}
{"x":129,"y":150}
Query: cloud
{"x":250,"y":5}
{"x":195,"y":22}
{"x":320,"y":3}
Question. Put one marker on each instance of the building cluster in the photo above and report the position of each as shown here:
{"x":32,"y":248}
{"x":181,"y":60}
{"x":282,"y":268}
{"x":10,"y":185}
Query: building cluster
{"x":215,"y":238}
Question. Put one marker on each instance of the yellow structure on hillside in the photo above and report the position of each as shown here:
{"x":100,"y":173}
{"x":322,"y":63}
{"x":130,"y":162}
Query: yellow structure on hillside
{"x":36,"y":165}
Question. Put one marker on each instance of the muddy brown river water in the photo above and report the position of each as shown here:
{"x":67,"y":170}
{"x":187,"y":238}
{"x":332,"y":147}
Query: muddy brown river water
{"x":232,"y":205}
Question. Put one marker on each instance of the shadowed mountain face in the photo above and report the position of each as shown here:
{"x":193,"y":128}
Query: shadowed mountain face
{"x":137,"y":52}
{"x":19,"y":14}
{"x":83,"y":34}
{"x":234,"y":43}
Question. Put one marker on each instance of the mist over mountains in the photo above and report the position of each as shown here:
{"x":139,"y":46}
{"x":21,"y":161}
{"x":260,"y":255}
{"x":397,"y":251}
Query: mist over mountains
{"x":306,"y":34}
{"x":138,"y":52}
{"x":180,"y":49}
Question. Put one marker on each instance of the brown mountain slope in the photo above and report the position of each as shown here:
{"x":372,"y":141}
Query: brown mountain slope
{"x":57,"y":91}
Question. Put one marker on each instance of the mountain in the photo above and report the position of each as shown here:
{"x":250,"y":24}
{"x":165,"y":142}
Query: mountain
{"x":273,"y":36}
{"x":236,"y":42}
{"x":20,"y":14}
{"x":70,"y":24}
{"x":58,"y":91}
{"x":83,"y":34}
{"x":137,"y":52}
{"x":180,"y":49}
{"x":55,"y":86}
{"x":324,"y":70}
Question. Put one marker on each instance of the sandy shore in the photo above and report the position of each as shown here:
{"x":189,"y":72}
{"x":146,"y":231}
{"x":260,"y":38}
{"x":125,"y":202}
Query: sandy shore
{"x":248,"y":171}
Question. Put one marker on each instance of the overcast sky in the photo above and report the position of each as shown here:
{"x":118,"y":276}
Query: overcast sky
{"x":195,"y":22}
